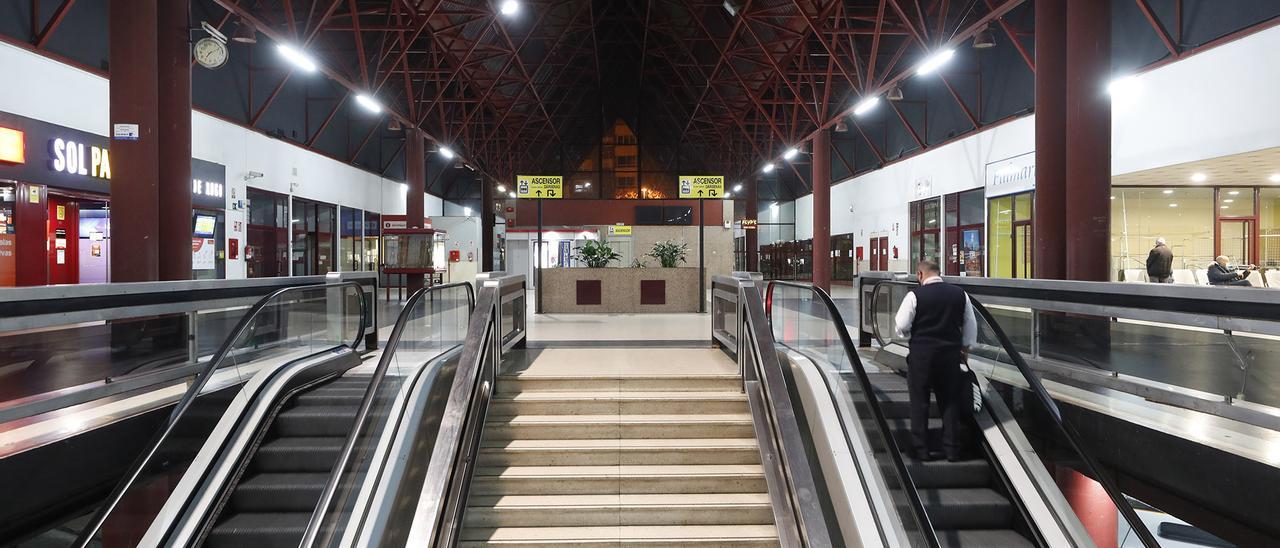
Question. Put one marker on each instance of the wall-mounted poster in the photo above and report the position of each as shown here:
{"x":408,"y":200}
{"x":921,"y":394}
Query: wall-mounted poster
{"x":203,"y":253}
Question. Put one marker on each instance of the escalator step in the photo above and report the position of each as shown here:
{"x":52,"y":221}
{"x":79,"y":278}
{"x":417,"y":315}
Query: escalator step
{"x":983,"y":538}
{"x":288,"y":492}
{"x":941,"y":474}
{"x":339,"y":397}
{"x":896,"y":405}
{"x":276,"y":530}
{"x":967,"y":508}
{"x":315,"y":421}
{"x":298,"y":455}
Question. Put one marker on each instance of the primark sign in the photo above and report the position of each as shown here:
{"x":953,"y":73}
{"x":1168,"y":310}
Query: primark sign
{"x":1012,"y":175}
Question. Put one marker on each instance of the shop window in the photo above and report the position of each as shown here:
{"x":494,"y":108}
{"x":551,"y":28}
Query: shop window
{"x":1010,"y":231}
{"x":965,"y":227}
{"x":267,"y":248}
{"x":1269,"y":228}
{"x":372,"y":237}
{"x":926,"y":231}
{"x":1184,"y":217}
{"x":8,"y":236}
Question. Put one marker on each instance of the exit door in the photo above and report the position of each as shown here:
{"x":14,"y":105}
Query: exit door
{"x":879,"y":254}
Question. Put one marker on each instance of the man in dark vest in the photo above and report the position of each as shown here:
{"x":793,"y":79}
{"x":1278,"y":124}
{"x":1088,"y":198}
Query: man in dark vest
{"x":938,"y":319}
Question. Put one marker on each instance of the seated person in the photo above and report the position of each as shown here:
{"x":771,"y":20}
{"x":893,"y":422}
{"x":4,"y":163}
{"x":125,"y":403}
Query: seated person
{"x":1222,"y":274}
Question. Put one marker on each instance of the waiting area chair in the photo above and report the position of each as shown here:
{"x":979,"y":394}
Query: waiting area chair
{"x":1256,"y":278}
{"x":1272,"y":277}
{"x":1134,"y":275}
{"x":1184,"y":276}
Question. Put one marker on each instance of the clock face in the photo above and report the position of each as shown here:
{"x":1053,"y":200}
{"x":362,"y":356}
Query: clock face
{"x":210,"y":53}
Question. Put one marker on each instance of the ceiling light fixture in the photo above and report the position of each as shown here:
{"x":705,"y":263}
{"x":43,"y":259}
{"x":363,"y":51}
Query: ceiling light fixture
{"x":1275,"y":178}
{"x":446,"y":151}
{"x":1234,"y":193}
{"x":244,"y":33}
{"x":502,"y":188}
{"x":1199,"y":177}
{"x":1168,"y":192}
{"x":298,"y":58}
{"x":1228,"y":201}
{"x":984,"y":39}
{"x":769,"y":167}
{"x":866,"y":105}
{"x":509,"y":7}
{"x":790,"y":154}
{"x":934,"y":62}
{"x":369,"y":103}
{"x":895,"y":93}
{"x":737,"y":187}
{"x":1173,"y":205}
{"x":511,"y":194}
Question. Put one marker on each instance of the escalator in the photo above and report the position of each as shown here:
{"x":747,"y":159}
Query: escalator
{"x":968,"y":502}
{"x":281,"y":482}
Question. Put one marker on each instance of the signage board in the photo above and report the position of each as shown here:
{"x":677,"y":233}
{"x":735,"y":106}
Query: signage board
{"x":620,"y":230}
{"x":13,"y":146}
{"x":749,"y":224}
{"x":539,"y":186}
{"x":208,"y":184}
{"x":124,"y":132}
{"x":701,"y":186}
{"x":1011,"y":176}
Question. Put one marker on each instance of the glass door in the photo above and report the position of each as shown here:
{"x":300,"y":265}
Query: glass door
{"x":1235,"y":240}
{"x":1022,"y":250}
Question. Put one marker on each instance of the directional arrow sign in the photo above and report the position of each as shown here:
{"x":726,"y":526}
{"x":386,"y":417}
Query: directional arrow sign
{"x":539,"y":186}
{"x":701,"y":186}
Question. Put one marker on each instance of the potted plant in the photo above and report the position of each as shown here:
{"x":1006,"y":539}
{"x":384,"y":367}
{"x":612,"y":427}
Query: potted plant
{"x":596,"y":254}
{"x":669,"y":253}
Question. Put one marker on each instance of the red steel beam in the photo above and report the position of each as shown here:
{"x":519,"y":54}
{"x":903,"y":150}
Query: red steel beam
{"x":54,"y":21}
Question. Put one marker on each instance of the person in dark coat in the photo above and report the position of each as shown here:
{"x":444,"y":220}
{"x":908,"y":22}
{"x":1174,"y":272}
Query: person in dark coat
{"x":1160,"y":263}
{"x":939,"y":320}
{"x":1221,"y":274}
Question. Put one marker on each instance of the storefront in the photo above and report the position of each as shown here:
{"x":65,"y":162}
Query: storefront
{"x":208,"y":225}
{"x":1010,"y":193}
{"x":965,"y":225}
{"x":926,"y":231}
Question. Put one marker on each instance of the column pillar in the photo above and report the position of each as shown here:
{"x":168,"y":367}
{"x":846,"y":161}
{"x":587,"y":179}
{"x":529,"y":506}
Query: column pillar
{"x":135,"y":177}
{"x":1050,"y":217}
{"x":415,"y":175}
{"x":753,"y":234}
{"x":822,"y":210}
{"x":1088,"y":140}
{"x":487,"y":225}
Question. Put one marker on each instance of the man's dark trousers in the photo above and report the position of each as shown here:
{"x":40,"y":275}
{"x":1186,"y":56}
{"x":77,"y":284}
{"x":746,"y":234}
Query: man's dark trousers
{"x":936,"y":370}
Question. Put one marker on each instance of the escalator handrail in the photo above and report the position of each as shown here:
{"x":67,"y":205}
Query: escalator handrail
{"x":197,"y":386}
{"x":366,"y":403}
{"x":1032,"y":379}
{"x":913,"y":495}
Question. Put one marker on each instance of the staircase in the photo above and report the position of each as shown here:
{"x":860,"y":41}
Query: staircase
{"x":965,"y":501}
{"x":619,"y":460}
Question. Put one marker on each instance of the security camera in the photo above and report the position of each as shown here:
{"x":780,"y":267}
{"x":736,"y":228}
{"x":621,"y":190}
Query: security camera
{"x":253,"y":175}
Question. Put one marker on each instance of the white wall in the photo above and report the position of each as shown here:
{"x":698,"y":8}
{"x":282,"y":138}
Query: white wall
{"x":57,"y":93}
{"x":1219,"y":102}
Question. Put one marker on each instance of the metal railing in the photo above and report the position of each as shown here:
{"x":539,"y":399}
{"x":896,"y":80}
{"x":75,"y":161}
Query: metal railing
{"x":793,"y":490}
{"x":240,"y":339}
{"x":1061,"y":435}
{"x":1163,"y":342}
{"x":81,"y":343}
{"x":431,"y":330}
{"x":806,"y":320}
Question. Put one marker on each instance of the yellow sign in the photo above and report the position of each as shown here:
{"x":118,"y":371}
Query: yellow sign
{"x":701,"y":186}
{"x":62,"y":213}
{"x":539,"y":186}
{"x":620,"y":230}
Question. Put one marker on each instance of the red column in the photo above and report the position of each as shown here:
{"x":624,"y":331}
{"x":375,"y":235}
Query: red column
{"x":1088,"y":143}
{"x":753,"y":214}
{"x":1050,"y":216}
{"x":415,"y":167}
{"x":173,"y":108}
{"x":135,"y":165}
{"x":822,"y":210}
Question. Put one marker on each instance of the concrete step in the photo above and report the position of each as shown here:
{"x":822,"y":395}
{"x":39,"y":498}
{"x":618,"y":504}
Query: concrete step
{"x":537,"y":402}
{"x":704,"y":536}
{"x":648,"y":426}
{"x":604,"y":510}
{"x":513,"y":384}
{"x":619,"y":451}
{"x":628,"y":479}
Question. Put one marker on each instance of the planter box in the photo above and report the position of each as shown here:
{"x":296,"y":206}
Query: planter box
{"x":619,"y":290}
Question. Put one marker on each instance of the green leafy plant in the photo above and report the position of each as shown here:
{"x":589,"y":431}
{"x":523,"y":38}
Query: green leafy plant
{"x":669,"y":253}
{"x":596,"y":254}
{"x":636,"y":263}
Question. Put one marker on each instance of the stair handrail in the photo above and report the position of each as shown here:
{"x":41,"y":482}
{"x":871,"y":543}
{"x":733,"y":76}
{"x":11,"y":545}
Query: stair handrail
{"x":310,"y":536}
{"x":1032,"y":379}
{"x":803,"y":520}
{"x":918,"y":513}
{"x":197,"y":386}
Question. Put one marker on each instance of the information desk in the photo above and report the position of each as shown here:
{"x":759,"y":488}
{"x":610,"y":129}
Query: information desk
{"x":619,"y":290}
